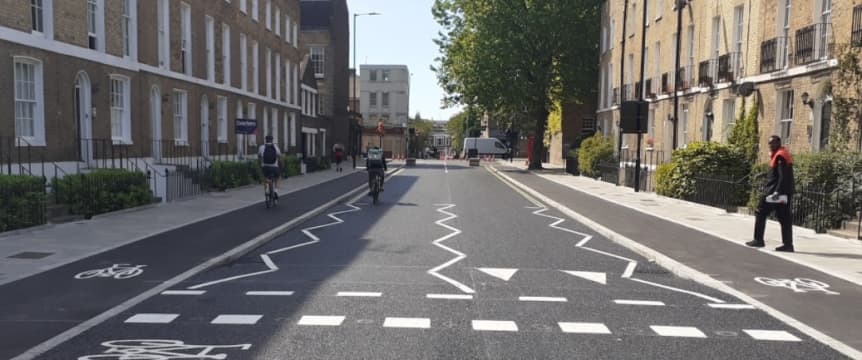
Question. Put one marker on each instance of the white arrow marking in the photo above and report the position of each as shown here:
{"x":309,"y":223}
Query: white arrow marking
{"x":501,"y":273}
{"x":598,"y":277}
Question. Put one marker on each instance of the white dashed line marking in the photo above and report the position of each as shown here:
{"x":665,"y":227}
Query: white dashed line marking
{"x":584,"y":328}
{"x":409,"y":323}
{"x":321,"y":320}
{"x":359,"y":294}
{"x":542,"y":299}
{"x":152,"y":319}
{"x":771,"y":335}
{"x":184,"y":292}
{"x":269,"y":293}
{"x":236,"y":319}
{"x":639,"y":302}
{"x":732,"y":306}
{"x":491,"y":325}
{"x":450,"y":296}
{"x":678,"y":331}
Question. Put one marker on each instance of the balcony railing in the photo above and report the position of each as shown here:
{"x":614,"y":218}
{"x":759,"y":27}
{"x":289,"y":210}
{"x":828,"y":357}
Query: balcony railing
{"x":725,"y":68}
{"x":813,"y":43}
{"x":774,"y":54}
{"x":856,"y":31}
{"x":706,"y":73}
{"x":685,"y":78}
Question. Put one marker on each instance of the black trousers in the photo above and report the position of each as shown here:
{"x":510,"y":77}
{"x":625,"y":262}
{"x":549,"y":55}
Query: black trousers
{"x":372,"y":173}
{"x":782,"y":211}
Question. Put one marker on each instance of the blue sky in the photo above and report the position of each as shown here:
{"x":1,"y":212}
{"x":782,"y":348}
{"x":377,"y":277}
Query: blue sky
{"x":402,"y":35}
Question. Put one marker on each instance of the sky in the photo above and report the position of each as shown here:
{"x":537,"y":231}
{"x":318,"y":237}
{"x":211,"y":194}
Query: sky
{"x":402,"y":35}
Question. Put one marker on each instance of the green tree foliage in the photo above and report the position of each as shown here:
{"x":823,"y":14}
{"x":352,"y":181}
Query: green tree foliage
{"x":593,"y":152}
{"x":463,"y":124}
{"x":699,"y":161}
{"x":424,"y":128}
{"x":846,"y":92}
{"x":518,"y":56}
{"x":555,"y":123}
{"x":745,"y":136}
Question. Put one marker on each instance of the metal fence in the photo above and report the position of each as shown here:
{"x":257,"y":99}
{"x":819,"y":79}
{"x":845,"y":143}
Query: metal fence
{"x":650,"y":160}
{"x":609,"y":172}
{"x":719,"y":191}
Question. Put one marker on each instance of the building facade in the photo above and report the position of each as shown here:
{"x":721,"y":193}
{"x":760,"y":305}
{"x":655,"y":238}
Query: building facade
{"x":324,"y":35}
{"x":784,"y":50}
{"x":148,"y":79}
{"x":385,"y":97}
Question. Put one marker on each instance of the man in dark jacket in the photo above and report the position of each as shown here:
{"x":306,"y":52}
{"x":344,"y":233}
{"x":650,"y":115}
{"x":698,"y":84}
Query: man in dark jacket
{"x":777,"y":196}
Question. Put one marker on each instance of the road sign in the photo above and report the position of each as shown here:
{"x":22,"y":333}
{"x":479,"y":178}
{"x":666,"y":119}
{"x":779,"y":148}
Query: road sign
{"x":246,"y":126}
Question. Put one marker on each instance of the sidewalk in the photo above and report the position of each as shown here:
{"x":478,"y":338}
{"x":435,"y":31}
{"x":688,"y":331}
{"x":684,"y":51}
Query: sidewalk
{"x":29,"y":252}
{"x":832,"y":255}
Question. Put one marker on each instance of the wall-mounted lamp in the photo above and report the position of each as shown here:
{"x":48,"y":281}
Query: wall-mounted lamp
{"x":807,"y":101}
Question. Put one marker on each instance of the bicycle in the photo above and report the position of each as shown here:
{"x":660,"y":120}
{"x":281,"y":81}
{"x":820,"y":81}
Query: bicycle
{"x":271,"y":195}
{"x":375,"y":185}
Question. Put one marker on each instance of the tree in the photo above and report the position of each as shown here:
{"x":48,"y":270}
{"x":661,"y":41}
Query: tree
{"x":518,"y":56}
{"x":423,"y":128}
{"x":464,"y":124}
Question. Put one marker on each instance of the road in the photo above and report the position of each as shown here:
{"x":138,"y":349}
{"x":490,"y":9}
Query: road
{"x":452,"y":264}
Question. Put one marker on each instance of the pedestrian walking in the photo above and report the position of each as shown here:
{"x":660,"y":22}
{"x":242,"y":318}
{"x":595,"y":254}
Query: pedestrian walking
{"x":777,"y":197}
{"x":339,"y":156}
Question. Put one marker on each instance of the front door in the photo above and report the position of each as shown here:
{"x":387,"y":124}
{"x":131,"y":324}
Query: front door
{"x":83,"y":108}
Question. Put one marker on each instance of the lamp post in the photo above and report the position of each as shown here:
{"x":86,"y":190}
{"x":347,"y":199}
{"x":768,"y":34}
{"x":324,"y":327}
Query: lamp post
{"x":357,"y":78}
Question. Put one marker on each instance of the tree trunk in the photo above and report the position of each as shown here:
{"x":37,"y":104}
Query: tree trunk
{"x":538,"y":143}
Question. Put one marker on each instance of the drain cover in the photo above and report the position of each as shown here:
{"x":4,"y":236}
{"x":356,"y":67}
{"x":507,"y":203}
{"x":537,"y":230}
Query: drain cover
{"x":31,"y":255}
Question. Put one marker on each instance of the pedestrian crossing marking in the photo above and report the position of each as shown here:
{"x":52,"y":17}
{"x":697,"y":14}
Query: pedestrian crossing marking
{"x":313,"y":320}
{"x":500,"y":273}
{"x":584,"y":328}
{"x":542,"y":299}
{"x":152,"y":318}
{"x":236,"y":319}
{"x":598,"y":277}
{"x":409,"y":323}
{"x":358,"y":294}
{"x":771,"y":335}
{"x":678,"y":331}
{"x":493,"y":325}
{"x":450,"y":296}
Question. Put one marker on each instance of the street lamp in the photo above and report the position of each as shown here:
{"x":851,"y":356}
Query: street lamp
{"x":357,"y":78}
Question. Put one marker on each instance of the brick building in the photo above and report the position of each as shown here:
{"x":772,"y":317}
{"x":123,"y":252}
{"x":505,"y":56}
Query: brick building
{"x":150,"y":79}
{"x":784,"y":49}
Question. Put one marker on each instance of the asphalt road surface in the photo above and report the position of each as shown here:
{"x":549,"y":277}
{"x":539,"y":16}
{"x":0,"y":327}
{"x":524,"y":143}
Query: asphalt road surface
{"x":452,"y":264}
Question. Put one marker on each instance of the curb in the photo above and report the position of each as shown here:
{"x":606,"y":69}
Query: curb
{"x":684,"y":271}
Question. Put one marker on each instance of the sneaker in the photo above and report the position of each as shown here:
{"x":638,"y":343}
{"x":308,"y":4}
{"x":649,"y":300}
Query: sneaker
{"x":785,"y":248}
{"x":755,"y":243}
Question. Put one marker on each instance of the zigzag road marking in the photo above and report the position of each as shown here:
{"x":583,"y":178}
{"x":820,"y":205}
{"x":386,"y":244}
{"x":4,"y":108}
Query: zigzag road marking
{"x":271,"y":266}
{"x":459,"y":255}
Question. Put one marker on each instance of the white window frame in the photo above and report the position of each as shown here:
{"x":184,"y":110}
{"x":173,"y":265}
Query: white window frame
{"x":286,"y":129}
{"x":274,"y":118}
{"x":738,"y":29}
{"x":221,"y":120}
{"x":225,"y":54}
{"x":243,"y":6}
{"x":295,"y":34}
{"x":47,"y":19}
{"x":243,"y":61}
{"x":277,"y":25}
{"x":268,"y":12}
{"x":657,"y":80}
{"x":267,"y":55}
{"x":265,"y":122}
{"x":384,"y":100}
{"x":252,"y":114}
{"x":786,"y":108}
{"x":255,"y":66}
{"x":372,"y":100}
{"x":130,"y":29}
{"x":318,"y":65}
{"x":659,"y":7}
{"x":286,"y":28}
{"x":278,"y":77}
{"x":210,"y":47}
{"x":181,"y":117}
{"x":296,"y":81}
{"x":164,"y":34}
{"x":293,"y":129}
{"x":728,"y":113}
{"x":287,"y":82}
{"x":255,"y":10}
{"x":37,"y":101}
{"x":186,"y":45}
{"x":99,"y":26}
{"x":120,"y":116}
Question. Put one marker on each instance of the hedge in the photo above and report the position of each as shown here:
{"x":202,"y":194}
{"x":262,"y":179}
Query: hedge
{"x":699,"y":162}
{"x":290,"y":166}
{"x":230,"y":174}
{"x":594,"y":151}
{"x":22,"y":202}
{"x":102,"y":191}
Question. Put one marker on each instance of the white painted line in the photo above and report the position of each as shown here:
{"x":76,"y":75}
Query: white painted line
{"x":359,"y":294}
{"x":151,"y":319}
{"x":598,"y":277}
{"x":584,"y":328}
{"x":184,"y":292}
{"x":702,"y":296}
{"x":542,"y":299}
{"x":459,"y":255}
{"x":771,"y":335}
{"x":732,"y":306}
{"x":500,"y":273}
{"x":269,"y":293}
{"x":310,"y":320}
{"x":236,"y":319}
{"x":450,"y":296}
{"x":409,"y":323}
{"x":639,"y":302}
{"x":491,"y":325}
{"x":678,"y":331}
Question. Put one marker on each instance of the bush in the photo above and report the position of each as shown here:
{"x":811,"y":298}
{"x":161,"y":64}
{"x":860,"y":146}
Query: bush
{"x":102,"y":191}
{"x":22,"y":202}
{"x":829,"y":183}
{"x":594,"y":151}
{"x":290,"y":166}
{"x":691,"y":168}
{"x":325,"y":163}
{"x":229,"y":174}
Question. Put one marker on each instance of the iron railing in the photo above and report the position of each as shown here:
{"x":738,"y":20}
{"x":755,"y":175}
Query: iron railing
{"x":719,"y":191}
{"x":706,"y":73}
{"x":774,"y":54}
{"x":609,"y":172}
{"x":856,"y":30}
{"x":813,"y":43}
{"x":650,"y":160}
{"x":725,"y":69}
{"x":685,"y":77}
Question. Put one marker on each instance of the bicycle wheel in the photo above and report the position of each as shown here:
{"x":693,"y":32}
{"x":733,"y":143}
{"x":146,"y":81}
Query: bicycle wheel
{"x":268,"y":197}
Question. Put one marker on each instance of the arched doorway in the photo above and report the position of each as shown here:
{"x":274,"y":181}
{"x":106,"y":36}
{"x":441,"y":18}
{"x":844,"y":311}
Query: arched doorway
{"x":205,"y":127}
{"x":83,"y":117}
{"x":156,"y":121}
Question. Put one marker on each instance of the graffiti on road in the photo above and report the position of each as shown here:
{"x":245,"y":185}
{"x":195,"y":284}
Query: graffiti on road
{"x":116,"y":271}
{"x":161,"y":350}
{"x":799,"y":285}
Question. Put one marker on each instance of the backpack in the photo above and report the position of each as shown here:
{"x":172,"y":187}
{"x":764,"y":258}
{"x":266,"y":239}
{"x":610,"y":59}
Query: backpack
{"x":375,"y":155}
{"x":269,"y":154}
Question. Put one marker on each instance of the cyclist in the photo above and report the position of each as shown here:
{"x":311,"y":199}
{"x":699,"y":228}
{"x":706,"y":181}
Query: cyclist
{"x":375,"y":163}
{"x":269,"y":154}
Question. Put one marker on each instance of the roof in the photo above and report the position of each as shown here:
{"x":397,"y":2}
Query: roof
{"x":315,"y":14}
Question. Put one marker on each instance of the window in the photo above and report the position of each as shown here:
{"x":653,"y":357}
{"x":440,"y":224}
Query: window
{"x":252,"y":114}
{"x":287,"y":29}
{"x":274,"y":131}
{"x":786,"y":115}
{"x":651,"y":125}
{"x":266,"y":122}
{"x":278,"y":77}
{"x":37,"y":15}
{"x":784,"y":33}
{"x":373,"y":75}
{"x":292,"y":129}
{"x":295,"y":84}
{"x":611,"y":38}
{"x":267,"y":55}
{"x":255,"y":11}
{"x":738,"y":13}
{"x":120,"y":112}
{"x":659,"y":6}
{"x":632,"y":19}
{"x":372,"y":99}
{"x":225,"y":53}
{"x":824,"y":28}
{"x":604,"y":45}
{"x":181,"y":119}
{"x":825,"y":123}
{"x":29,"y":101}
{"x":657,"y":79}
{"x":683,"y":124}
{"x":164,"y":34}
{"x":287,"y":82}
{"x":385,"y":100}
{"x":222,"y":119}
{"x":708,"y":122}
{"x":644,"y":91}
{"x":277,"y":24}
{"x":186,"y":38}
{"x":318,"y":55}
{"x":729,"y":116}
{"x":255,"y":66}
{"x":210,"y":48}
{"x":268,"y":13}
{"x":320,"y":102}
{"x":243,"y":6}
{"x":385,"y":75}
{"x":856,"y":30}
{"x":295,"y":33}
{"x":243,"y":61}
{"x":128,"y":29}
{"x":92,"y":31}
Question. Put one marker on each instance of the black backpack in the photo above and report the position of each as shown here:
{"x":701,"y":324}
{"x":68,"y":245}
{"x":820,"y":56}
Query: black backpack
{"x":269,"y":154}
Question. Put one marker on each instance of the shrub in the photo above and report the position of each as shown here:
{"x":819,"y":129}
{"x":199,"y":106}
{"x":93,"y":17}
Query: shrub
{"x":290,"y":166}
{"x":827,"y":188}
{"x":325,"y":163}
{"x":228,"y":174}
{"x":22,"y":202}
{"x":594,"y":151}
{"x":700,"y":164}
{"x":102,"y":191}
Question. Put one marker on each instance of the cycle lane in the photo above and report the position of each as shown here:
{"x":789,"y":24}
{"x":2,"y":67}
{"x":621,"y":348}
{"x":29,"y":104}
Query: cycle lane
{"x":37,"y":308}
{"x":833,"y":310}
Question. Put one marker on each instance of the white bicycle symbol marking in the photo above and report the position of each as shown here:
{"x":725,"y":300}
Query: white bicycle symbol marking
{"x":117,"y":271}
{"x":800,"y":285}
{"x":160,"y":350}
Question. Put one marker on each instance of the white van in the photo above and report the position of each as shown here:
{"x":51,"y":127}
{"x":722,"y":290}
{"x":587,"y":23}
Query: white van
{"x":485,"y":146}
